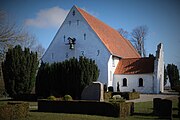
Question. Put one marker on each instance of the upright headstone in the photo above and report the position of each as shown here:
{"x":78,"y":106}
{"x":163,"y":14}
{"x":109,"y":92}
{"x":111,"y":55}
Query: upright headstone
{"x":179,"y":107}
{"x":110,"y":89}
{"x":156,"y":105}
{"x":95,"y":91}
{"x":165,"y":109}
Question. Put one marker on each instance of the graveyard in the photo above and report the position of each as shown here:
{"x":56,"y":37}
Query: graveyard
{"x":142,"y":110}
{"x":89,"y":71}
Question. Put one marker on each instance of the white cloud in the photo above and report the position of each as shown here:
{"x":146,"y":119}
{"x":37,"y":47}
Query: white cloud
{"x":52,"y":17}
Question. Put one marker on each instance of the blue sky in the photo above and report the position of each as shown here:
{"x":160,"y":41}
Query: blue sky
{"x":44,"y":17}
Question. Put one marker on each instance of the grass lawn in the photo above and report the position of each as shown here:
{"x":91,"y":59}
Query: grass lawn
{"x":62,"y":116}
{"x":143,"y":111}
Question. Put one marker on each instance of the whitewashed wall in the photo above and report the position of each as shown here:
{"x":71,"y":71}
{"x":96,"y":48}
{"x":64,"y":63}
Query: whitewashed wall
{"x":112,"y":64}
{"x":159,"y":70}
{"x":133,"y":83}
{"x":90,"y":46}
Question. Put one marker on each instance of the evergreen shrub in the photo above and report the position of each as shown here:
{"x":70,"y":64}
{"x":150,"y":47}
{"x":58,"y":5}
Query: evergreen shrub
{"x":51,"y":98}
{"x":67,"y":77}
{"x":19,"y":70}
{"x":67,"y":98}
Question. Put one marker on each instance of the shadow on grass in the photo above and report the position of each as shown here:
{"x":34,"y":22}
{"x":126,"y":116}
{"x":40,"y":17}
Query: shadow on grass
{"x":33,"y":111}
{"x":143,"y":114}
{"x":150,"y":115}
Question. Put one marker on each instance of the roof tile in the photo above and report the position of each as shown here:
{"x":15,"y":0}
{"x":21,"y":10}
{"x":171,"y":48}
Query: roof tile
{"x":114,"y":42}
{"x":135,"y":66}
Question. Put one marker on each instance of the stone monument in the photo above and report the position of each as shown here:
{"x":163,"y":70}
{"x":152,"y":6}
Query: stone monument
{"x":93,"y":92}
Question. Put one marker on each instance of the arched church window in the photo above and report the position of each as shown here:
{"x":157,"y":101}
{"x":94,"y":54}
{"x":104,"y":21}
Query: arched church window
{"x":52,"y":55}
{"x":84,"y":36}
{"x":124,"y":82}
{"x":140,"y":82}
{"x":64,"y":38}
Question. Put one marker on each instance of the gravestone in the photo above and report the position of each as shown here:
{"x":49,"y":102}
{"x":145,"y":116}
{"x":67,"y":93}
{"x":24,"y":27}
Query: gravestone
{"x":156,"y":105}
{"x":162,"y":108}
{"x":165,"y":109}
{"x":179,"y":107}
{"x":94,"y":91}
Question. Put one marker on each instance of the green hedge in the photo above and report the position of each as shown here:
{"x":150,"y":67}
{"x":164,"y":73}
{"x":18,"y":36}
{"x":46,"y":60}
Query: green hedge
{"x":66,"y":77}
{"x":14,"y":110}
{"x":86,"y":107}
{"x":107,"y":96}
{"x":126,"y":109}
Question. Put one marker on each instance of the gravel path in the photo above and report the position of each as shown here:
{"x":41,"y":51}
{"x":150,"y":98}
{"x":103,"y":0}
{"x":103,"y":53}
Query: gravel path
{"x":149,"y":97}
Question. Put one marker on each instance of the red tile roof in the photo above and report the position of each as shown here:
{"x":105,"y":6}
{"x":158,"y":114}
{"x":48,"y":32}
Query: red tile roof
{"x":114,"y":42}
{"x":135,"y":66}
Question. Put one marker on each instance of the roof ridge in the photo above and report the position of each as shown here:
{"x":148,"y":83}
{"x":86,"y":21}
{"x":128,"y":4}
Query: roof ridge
{"x":137,"y":58}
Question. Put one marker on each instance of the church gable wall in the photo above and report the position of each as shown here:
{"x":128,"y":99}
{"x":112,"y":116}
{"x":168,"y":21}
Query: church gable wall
{"x":87,"y":44}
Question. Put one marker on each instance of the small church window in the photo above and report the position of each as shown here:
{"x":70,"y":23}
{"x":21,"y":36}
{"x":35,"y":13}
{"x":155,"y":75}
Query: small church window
{"x":140,"y":82}
{"x":64,"y":38}
{"x":69,"y":23}
{"x":124,"y":82}
{"x":77,"y":22}
{"x":73,"y":13}
{"x":98,"y":52}
{"x":52,"y":55}
{"x":84,"y":36}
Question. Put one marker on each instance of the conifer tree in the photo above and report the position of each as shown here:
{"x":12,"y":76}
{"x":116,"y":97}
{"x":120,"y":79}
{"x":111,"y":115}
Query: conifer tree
{"x":173,"y":74}
{"x":19,"y":70}
{"x":67,"y":77}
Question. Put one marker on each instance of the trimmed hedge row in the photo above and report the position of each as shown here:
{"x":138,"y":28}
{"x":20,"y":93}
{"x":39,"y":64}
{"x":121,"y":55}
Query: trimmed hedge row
{"x":14,"y":110}
{"x":87,"y":107}
{"x":126,"y":109}
{"x":128,"y":95}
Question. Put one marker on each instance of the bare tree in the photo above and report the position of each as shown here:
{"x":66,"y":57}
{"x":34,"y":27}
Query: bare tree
{"x":123,"y":32}
{"x":138,"y":38}
{"x":11,"y":34}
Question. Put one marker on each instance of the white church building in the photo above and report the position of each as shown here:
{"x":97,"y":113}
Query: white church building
{"x":81,"y":34}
